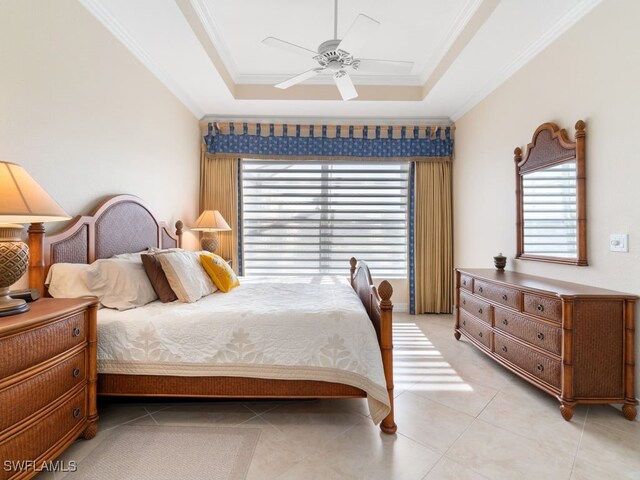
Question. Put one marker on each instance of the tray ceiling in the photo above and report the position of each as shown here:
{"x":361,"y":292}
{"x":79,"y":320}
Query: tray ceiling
{"x":209,"y":52}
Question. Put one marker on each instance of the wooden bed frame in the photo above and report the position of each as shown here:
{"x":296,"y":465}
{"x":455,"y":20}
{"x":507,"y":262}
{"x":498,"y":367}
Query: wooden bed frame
{"x":125,"y":224}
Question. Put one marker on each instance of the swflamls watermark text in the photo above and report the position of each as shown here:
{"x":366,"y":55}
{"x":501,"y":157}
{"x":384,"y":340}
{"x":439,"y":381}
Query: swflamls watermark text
{"x":33,"y":466}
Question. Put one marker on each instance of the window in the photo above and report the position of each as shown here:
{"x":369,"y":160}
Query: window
{"x":308,"y":217}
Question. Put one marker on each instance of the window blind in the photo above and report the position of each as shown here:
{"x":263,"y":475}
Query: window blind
{"x":549,"y":207}
{"x":308,"y":217}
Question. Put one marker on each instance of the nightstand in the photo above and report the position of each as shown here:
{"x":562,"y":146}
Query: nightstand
{"x":48,"y":381}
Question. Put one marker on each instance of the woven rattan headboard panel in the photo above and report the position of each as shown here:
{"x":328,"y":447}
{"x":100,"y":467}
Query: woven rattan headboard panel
{"x":120,"y":224}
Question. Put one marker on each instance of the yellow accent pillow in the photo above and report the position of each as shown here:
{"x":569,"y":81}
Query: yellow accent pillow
{"x":219,"y":271}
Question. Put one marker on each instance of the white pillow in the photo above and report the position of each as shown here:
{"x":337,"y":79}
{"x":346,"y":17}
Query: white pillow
{"x":68,"y":280}
{"x":120,"y":284}
{"x":136,"y":257}
{"x":186,"y":276}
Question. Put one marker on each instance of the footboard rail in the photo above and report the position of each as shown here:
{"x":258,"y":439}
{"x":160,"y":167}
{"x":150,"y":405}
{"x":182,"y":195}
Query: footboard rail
{"x":377,"y":303}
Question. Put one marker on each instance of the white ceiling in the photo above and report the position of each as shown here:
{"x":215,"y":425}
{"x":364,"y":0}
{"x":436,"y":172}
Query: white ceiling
{"x":208,"y":52}
{"x":237,"y":29}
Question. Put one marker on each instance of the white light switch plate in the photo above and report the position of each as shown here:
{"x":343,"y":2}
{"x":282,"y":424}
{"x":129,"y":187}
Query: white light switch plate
{"x":619,"y":242}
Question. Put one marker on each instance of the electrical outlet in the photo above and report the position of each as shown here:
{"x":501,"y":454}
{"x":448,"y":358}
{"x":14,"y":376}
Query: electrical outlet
{"x":619,"y":242}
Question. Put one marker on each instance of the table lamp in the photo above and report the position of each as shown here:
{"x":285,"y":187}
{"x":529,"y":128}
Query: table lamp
{"x":22,"y":200}
{"x":210,"y":221}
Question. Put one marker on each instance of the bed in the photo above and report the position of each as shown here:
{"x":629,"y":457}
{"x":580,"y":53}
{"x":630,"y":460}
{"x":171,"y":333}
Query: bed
{"x":125,"y":224}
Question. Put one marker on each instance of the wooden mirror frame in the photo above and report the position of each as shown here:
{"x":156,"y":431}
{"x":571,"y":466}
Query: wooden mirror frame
{"x":553,"y":148}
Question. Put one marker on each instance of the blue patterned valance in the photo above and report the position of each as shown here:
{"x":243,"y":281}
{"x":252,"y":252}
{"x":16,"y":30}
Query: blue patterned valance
{"x":268,"y":140}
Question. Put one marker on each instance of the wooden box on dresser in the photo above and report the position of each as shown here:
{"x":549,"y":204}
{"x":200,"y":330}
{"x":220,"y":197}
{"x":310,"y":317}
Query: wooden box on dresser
{"x":573,"y":341}
{"x":47,"y":382}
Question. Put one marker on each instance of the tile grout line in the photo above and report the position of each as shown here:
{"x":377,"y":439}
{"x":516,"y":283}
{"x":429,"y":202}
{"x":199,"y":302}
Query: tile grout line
{"x":444,"y":455}
{"x":151,"y":415}
{"x":575,"y":457}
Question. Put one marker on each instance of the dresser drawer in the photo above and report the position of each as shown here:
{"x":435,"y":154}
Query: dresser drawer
{"x":545,"y":307}
{"x":537,"y":364}
{"x":466,"y":282}
{"x":497,"y":293}
{"x":27,"y":397}
{"x":537,"y":333}
{"x":32,"y":442}
{"x":35,"y":346}
{"x":476,"y":329}
{"x":475,"y":306}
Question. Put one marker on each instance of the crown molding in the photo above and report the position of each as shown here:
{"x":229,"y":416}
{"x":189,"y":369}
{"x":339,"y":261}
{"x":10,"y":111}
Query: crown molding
{"x":102,"y":14}
{"x":527,"y":54}
{"x":350,"y":120}
{"x":324,"y":79}
{"x":459,"y":24}
{"x":211,"y":27}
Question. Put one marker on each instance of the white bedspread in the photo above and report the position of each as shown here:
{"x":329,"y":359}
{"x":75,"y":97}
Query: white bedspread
{"x":303,"y":328}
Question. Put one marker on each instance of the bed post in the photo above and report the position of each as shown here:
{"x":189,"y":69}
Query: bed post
{"x":353,"y":262}
{"x":179,"y":226}
{"x":36,"y":256}
{"x":388,"y":425}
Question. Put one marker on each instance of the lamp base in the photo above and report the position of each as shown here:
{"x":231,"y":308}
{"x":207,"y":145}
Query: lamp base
{"x":11,"y":306}
{"x":210,"y":244}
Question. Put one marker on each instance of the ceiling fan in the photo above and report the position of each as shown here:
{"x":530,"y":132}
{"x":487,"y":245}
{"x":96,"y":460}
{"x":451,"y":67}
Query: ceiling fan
{"x":336,"y":56}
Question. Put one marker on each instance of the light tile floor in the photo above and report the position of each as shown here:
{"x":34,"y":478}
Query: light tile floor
{"x":459,"y":415}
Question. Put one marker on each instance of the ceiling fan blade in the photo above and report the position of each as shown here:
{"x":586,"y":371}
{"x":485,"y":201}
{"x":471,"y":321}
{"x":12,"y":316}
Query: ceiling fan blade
{"x":299,"y":78}
{"x":362,"y":28}
{"x":345,"y":85}
{"x":289,"y":47}
{"x":384,"y":66}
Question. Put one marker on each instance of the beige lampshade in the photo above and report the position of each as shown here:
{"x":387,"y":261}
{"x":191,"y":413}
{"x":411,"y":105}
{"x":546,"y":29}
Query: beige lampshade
{"x":24,"y":201}
{"x":210,"y":221}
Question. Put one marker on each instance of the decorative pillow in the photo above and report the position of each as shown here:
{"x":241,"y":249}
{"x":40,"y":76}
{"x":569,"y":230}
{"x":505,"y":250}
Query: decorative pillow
{"x":186,"y":276}
{"x":68,"y":280}
{"x":132,"y":257}
{"x":120,"y":284}
{"x":164,"y":250}
{"x":219,"y":271}
{"x":157,"y":277}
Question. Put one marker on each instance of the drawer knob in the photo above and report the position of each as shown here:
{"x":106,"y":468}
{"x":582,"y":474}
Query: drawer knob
{"x":480,"y":334}
{"x":540,"y":367}
{"x":480,"y":311}
{"x":76,"y":372}
{"x":480,"y":289}
{"x":464,"y":322}
{"x":504,"y":348}
{"x":464,"y":302}
{"x":505,"y":321}
{"x":76,"y":332}
{"x":76,"y":412}
{"x":540,"y":307}
{"x":540,"y":336}
{"x":464,"y":282}
{"x":504,"y":297}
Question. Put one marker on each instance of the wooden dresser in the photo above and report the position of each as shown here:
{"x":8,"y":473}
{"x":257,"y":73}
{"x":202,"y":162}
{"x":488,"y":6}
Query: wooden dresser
{"x":572,"y":341}
{"x":47,"y":382}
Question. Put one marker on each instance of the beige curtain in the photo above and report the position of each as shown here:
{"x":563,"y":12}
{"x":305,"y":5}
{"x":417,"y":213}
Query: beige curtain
{"x":433,"y":238}
{"x":219,"y":191}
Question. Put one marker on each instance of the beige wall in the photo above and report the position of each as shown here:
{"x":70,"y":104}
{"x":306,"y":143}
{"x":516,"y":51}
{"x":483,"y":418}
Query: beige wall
{"x":589,"y":73}
{"x":86,"y":119}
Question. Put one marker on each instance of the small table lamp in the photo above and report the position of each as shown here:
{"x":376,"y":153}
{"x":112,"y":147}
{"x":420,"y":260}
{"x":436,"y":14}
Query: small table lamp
{"x":22,"y":200}
{"x":210,"y":221}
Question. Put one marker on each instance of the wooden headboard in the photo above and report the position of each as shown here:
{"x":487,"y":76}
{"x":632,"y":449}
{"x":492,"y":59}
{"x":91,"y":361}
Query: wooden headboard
{"x":119,"y":224}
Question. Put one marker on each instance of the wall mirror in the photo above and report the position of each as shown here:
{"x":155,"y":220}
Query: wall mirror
{"x":551,"y":197}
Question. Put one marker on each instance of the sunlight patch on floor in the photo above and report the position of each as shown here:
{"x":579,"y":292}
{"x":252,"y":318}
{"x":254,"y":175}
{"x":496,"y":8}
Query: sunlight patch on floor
{"x":419,"y":365}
